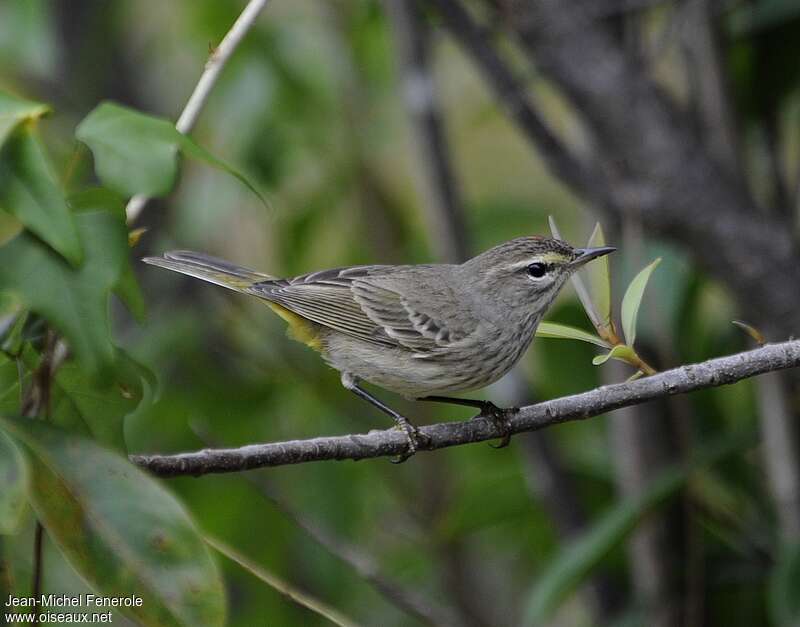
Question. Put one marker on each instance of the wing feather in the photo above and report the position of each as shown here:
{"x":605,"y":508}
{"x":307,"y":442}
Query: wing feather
{"x":325,"y":297}
{"x":358,"y":301}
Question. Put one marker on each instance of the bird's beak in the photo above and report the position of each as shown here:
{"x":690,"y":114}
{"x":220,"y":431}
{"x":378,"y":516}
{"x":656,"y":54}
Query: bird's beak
{"x":585,"y":255}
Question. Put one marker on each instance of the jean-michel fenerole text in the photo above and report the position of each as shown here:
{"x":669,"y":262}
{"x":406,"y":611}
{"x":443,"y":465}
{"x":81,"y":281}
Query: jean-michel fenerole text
{"x":88,"y":600}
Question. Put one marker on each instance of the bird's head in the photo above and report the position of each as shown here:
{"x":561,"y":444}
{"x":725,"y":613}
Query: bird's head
{"x":527,"y":272}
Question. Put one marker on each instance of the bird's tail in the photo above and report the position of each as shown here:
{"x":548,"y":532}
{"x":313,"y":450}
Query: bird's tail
{"x":207,"y":268}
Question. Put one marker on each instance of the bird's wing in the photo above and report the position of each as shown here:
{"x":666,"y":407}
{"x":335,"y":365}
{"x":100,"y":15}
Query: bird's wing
{"x":413,"y":311}
{"x":326,"y":298}
{"x":371,"y":304}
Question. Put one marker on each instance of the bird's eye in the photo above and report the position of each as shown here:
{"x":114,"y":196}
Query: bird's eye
{"x":537,"y":270}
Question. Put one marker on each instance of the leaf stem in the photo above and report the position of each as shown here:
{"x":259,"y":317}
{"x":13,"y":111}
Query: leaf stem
{"x":608,"y":333}
{"x":216,"y":62}
{"x":38,"y":567}
{"x":642,"y":365}
{"x":38,"y":401}
{"x":283,"y":587}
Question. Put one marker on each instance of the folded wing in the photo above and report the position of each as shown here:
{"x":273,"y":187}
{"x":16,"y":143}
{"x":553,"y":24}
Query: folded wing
{"x":373,"y":305}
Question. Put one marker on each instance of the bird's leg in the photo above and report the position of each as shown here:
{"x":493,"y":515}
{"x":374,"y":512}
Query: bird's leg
{"x":496,"y":414}
{"x":415,"y":438}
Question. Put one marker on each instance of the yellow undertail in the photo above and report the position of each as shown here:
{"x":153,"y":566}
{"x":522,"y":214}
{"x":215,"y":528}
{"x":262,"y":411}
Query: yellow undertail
{"x":299,"y":328}
{"x":238,"y":279}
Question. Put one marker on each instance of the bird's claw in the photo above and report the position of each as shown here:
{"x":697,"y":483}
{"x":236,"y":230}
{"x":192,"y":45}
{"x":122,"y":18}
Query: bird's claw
{"x":502,"y":420}
{"x":416,"y":440}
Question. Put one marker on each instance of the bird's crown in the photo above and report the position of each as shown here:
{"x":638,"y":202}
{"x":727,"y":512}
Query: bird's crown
{"x":523,"y":251}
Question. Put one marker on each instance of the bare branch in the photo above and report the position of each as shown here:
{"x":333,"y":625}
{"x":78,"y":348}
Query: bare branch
{"x":705,"y":67}
{"x":214,"y":65}
{"x":510,"y":92}
{"x":443,"y":206}
{"x":281,"y":586}
{"x":711,"y":373}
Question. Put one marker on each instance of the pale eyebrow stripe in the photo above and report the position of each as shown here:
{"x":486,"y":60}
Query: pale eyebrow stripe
{"x":546,"y":258}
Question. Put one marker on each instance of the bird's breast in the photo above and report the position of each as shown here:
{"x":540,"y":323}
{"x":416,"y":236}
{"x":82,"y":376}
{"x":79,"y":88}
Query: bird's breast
{"x":476,"y":362}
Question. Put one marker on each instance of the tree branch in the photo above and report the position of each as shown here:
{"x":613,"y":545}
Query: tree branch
{"x":567,"y":166}
{"x":711,"y":373}
{"x":214,"y":65}
{"x":436,"y":177}
{"x":652,"y":165}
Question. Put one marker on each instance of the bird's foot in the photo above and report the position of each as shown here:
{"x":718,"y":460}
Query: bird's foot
{"x":502,"y":420}
{"x":416,"y":440}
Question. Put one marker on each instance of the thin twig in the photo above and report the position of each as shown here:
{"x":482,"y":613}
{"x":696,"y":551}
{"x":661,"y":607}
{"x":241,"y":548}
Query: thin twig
{"x":711,"y":373}
{"x":208,"y":79}
{"x":706,"y":73}
{"x":38,"y":566}
{"x":365,"y":566}
{"x":33,"y":404}
{"x":302,"y":599}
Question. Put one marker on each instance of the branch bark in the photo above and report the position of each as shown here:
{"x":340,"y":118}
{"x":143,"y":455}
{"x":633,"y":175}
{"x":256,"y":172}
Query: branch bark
{"x":711,"y":373}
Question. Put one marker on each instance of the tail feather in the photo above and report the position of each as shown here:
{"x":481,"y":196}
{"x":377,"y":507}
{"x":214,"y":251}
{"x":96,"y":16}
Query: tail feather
{"x":207,"y":268}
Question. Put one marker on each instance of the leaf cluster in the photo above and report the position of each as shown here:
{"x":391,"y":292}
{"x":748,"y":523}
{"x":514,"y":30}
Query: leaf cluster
{"x":66,"y":387}
{"x":596,"y":301}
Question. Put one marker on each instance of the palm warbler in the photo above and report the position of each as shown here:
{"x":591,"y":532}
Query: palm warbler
{"x":420,"y":331}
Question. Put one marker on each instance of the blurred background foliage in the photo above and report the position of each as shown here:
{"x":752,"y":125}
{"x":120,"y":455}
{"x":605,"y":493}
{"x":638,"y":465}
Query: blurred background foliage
{"x":311,"y":110}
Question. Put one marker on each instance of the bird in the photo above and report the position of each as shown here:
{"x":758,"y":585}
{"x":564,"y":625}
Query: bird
{"x":421,"y":331}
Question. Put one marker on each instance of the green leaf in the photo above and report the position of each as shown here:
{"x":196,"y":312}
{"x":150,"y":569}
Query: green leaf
{"x":74,"y":300}
{"x":563,"y":331}
{"x":12,"y":333}
{"x":633,"y":300}
{"x":79,"y":404}
{"x":784,"y":588}
{"x":599,"y":273}
{"x":138,"y":154}
{"x":28,"y":190}
{"x":574,"y":563}
{"x":14,"y":111}
{"x":127,"y":287}
{"x":103,"y":409}
{"x":11,"y":377}
{"x":14,"y":482}
{"x":130,"y":293}
{"x":119,"y":528}
{"x":622,"y":352}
